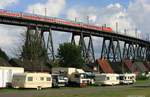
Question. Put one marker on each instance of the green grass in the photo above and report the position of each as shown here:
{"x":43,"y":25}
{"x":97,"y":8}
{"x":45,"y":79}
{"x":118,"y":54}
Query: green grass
{"x":138,"y":82}
{"x":91,"y":91}
{"x":7,"y":90}
{"x":131,"y":92}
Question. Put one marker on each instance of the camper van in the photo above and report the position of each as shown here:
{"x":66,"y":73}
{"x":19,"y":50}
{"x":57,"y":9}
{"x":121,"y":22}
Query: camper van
{"x":32,"y":80}
{"x":77,"y":77}
{"x":127,"y":78}
{"x":6,"y":74}
{"x":106,"y":79}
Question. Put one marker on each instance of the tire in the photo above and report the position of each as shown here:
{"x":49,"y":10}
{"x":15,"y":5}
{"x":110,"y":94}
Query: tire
{"x":39,"y":87}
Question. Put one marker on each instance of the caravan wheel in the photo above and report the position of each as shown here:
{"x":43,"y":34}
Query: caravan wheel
{"x":39,"y":88}
{"x":16,"y":87}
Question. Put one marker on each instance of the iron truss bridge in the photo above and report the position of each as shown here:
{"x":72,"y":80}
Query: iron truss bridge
{"x":132,"y":48}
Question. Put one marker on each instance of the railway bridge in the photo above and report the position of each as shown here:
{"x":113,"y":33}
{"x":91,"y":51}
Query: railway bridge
{"x":133,"y":48}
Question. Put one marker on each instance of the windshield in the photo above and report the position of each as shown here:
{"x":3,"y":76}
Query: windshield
{"x":61,"y":77}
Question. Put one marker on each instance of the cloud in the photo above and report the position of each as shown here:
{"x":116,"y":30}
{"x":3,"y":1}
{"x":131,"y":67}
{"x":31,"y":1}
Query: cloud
{"x":135,"y":15}
{"x":108,"y":15}
{"x":6,"y":3}
{"x":82,"y":14}
{"x":139,"y":12}
{"x":52,"y":7}
{"x":128,"y":18}
{"x":10,"y":38}
{"x":9,"y":35}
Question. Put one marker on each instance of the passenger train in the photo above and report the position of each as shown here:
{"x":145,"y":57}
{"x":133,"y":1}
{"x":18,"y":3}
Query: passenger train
{"x":35,"y":17}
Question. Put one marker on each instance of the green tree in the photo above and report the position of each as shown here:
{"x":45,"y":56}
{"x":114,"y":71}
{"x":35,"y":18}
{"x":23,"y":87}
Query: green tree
{"x":3,"y":55}
{"x":70,"y":55}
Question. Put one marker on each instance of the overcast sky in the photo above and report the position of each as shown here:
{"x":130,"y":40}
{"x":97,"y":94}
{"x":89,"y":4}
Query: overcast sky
{"x":130,"y":14}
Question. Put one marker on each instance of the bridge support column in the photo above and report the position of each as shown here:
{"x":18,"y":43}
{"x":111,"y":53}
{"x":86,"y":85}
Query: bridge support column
{"x":111,"y":51}
{"x":148,"y":54}
{"x":87,"y":50}
{"x":129,"y":51}
{"x":37,"y":46}
{"x":48,"y":44}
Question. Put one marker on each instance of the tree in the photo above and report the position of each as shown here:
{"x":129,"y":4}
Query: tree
{"x":34,"y":53}
{"x":3,"y":55}
{"x":70,"y":55}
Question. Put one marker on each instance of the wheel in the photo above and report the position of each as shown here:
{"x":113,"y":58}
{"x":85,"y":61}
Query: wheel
{"x":16,"y":87}
{"x":39,"y":88}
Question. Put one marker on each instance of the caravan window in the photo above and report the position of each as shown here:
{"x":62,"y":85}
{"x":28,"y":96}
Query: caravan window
{"x":124,"y":77}
{"x":42,"y":78}
{"x":117,"y":78}
{"x":48,"y":79}
{"x":107,"y":78}
{"x":30,"y":78}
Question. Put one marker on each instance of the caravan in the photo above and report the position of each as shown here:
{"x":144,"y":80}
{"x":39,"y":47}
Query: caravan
{"x":6,"y":74}
{"x":32,"y":80}
{"x":107,"y":79}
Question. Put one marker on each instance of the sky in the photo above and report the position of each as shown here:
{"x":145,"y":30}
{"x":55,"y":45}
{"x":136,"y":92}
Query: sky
{"x":129,"y":14}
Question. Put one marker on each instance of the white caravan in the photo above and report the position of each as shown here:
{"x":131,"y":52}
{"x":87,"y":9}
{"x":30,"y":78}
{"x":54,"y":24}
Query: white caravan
{"x":127,"y":78}
{"x":6,"y":74}
{"x":107,"y":79}
{"x":32,"y":80}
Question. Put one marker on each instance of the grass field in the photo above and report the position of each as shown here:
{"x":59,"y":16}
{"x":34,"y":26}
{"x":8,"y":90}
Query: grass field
{"x":137,"y":90}
{"x":132,"y":92}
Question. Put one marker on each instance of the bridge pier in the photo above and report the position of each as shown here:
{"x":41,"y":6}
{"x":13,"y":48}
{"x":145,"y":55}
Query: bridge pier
{"x":112,"y":51}
{"x":128,"y":51}
{"x":37,"y":46}
{"x":86,"y":50}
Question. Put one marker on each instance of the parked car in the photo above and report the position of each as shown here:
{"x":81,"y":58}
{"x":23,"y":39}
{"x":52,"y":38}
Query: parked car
{"x":59,"y":80}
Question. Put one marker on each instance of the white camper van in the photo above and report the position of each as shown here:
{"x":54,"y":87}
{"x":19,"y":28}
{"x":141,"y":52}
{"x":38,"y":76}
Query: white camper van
{"x":32,"y":80}
{"x":76,"y":76}
{"x":106,"y":79}
{"x":127,"y":78}
{"x":6,"y":74}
